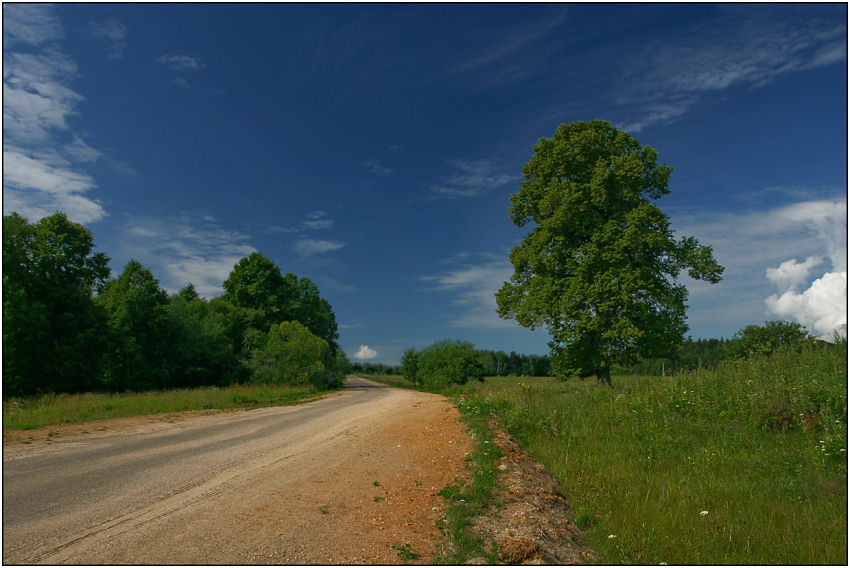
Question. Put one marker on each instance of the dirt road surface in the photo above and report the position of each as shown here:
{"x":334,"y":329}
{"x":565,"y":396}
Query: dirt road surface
{"x":336,"y":481}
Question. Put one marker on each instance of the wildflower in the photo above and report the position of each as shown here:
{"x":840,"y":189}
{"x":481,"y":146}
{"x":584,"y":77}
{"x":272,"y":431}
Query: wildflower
{"x":703,"y":513}
{"x":612,"y":536}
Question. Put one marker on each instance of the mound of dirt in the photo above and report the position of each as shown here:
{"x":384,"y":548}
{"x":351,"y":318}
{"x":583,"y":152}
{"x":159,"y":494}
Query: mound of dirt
{"x":530,"y":520}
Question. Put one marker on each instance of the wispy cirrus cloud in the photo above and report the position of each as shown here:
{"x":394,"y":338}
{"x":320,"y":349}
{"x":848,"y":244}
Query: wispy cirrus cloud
{"x":114,"y":33}
{"x":510,"y":56}
{"x":41,"y":152}
{"x":470,"y":178}
{"x":309,"y":247}
{"x":375,"y":168}
{"x":183,"y":249}
{"x":670,"y":75}
{"x":474,"y":286}
{"x":180,"y":64}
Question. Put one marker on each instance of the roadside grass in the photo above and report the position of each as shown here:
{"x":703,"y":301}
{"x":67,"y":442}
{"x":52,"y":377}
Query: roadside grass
{"x":466,"y":498}
{"x":33,"y":412}
{"x":743,"y":465}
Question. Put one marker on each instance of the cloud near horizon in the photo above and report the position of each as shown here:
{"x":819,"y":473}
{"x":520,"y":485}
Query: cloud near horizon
{"x":365,"y":353}
{"x":822,"y":307}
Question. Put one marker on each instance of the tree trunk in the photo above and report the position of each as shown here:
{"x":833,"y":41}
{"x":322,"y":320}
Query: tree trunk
{"x":603,"y":375}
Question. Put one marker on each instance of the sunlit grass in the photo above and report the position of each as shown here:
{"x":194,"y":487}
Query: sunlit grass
{"x":744,"y":465}
{"x":33,"y":412}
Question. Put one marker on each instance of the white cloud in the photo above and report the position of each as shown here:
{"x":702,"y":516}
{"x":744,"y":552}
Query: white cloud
{"x":669,"y":76}
{"x":180,"y":62}
{"x":475,"y":286}
{"x":317,"y":220}
{"x":822,"y":308}
{"x":188,"y":248}
{"x":40,"y":151}
{"x":755,"y":249}
{"x":30,"y":24}
{"x":114,"y":33}
{"x":365,"y":353}
{"x":309,"y":247}
{"x":792,"y":274}
{"x":373,"y":167}
{"x":470,"y":179}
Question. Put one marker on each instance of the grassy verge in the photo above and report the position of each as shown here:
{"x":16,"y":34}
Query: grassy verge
{"x":28,"y":413}
{"x":745,"y":465}
{"x":467,"y":498}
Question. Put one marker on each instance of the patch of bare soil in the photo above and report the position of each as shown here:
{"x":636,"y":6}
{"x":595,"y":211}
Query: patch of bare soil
{"x":531,"y":520}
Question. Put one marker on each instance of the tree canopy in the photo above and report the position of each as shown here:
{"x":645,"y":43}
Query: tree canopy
{"x":599,"y":268}
{"x":53,"y":333}
{"x":67,"y":327}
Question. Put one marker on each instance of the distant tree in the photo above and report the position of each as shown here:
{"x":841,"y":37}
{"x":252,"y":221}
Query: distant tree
{"x":141,"y":356}
{"x":599,"y":269}
{"x":54,"y":336}
{"x":755,"y":340}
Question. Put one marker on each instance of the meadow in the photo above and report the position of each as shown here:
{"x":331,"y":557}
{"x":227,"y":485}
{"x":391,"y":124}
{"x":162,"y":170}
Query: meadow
{"x":32,"y":412}
{"x":743,"y":465}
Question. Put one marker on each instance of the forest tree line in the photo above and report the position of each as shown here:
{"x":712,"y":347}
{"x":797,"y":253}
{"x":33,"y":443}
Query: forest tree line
{"x":68,"y":326}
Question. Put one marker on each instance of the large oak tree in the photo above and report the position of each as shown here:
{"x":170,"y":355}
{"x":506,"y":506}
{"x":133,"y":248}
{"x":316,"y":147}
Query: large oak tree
{"x":599,"y":268}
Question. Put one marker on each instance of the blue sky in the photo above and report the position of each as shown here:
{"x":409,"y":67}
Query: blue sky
{"x":373,"y":148}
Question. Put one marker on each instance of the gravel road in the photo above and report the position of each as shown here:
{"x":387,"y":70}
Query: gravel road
{"x":336,"y":481}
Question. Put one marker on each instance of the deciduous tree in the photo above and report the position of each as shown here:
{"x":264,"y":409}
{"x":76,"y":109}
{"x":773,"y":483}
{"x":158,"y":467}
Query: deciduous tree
{"x":54,"y":336}
{"x":599,"y":268}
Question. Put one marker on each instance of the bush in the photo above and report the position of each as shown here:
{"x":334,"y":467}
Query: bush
{"x":290,"y":355}
{"x":756,"y":340}
{"x":445,"y":363}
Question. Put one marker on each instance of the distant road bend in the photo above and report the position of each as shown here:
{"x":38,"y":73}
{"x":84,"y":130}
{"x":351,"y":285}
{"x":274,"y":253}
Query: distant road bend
{"x":337,"y":480}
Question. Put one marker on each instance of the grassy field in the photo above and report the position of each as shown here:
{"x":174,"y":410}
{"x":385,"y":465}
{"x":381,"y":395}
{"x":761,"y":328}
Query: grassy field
{"x":744,"y":465}
{"x":28,"y":413}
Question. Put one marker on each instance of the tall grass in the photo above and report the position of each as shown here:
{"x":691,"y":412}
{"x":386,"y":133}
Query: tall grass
{"x":743,"y":465}
{"x":32,"y":412}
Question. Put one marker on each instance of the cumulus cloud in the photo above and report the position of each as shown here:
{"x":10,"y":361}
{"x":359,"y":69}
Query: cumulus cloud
{"x":365,"y":353}
{"x":41,"y":153}
{"x":822,"y":307}
{"x":791,"y":275}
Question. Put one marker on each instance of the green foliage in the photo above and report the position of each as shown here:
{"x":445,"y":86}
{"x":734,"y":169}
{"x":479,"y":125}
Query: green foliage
{"x":267,"y":298}
{"x":202,"y":353}
{"x":743,"y":465}
{"x":131,"y":336}
{"x":599,"y":267}
{"x":25,"y":413}
{"x":499,"y":363}
{"x":291,"y":355}
{"x":446,"y":363}
{"x":410,"y":365}
{"x":54,"y":335}
{"x":756,"y":340}
{"x":140,"y":356}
